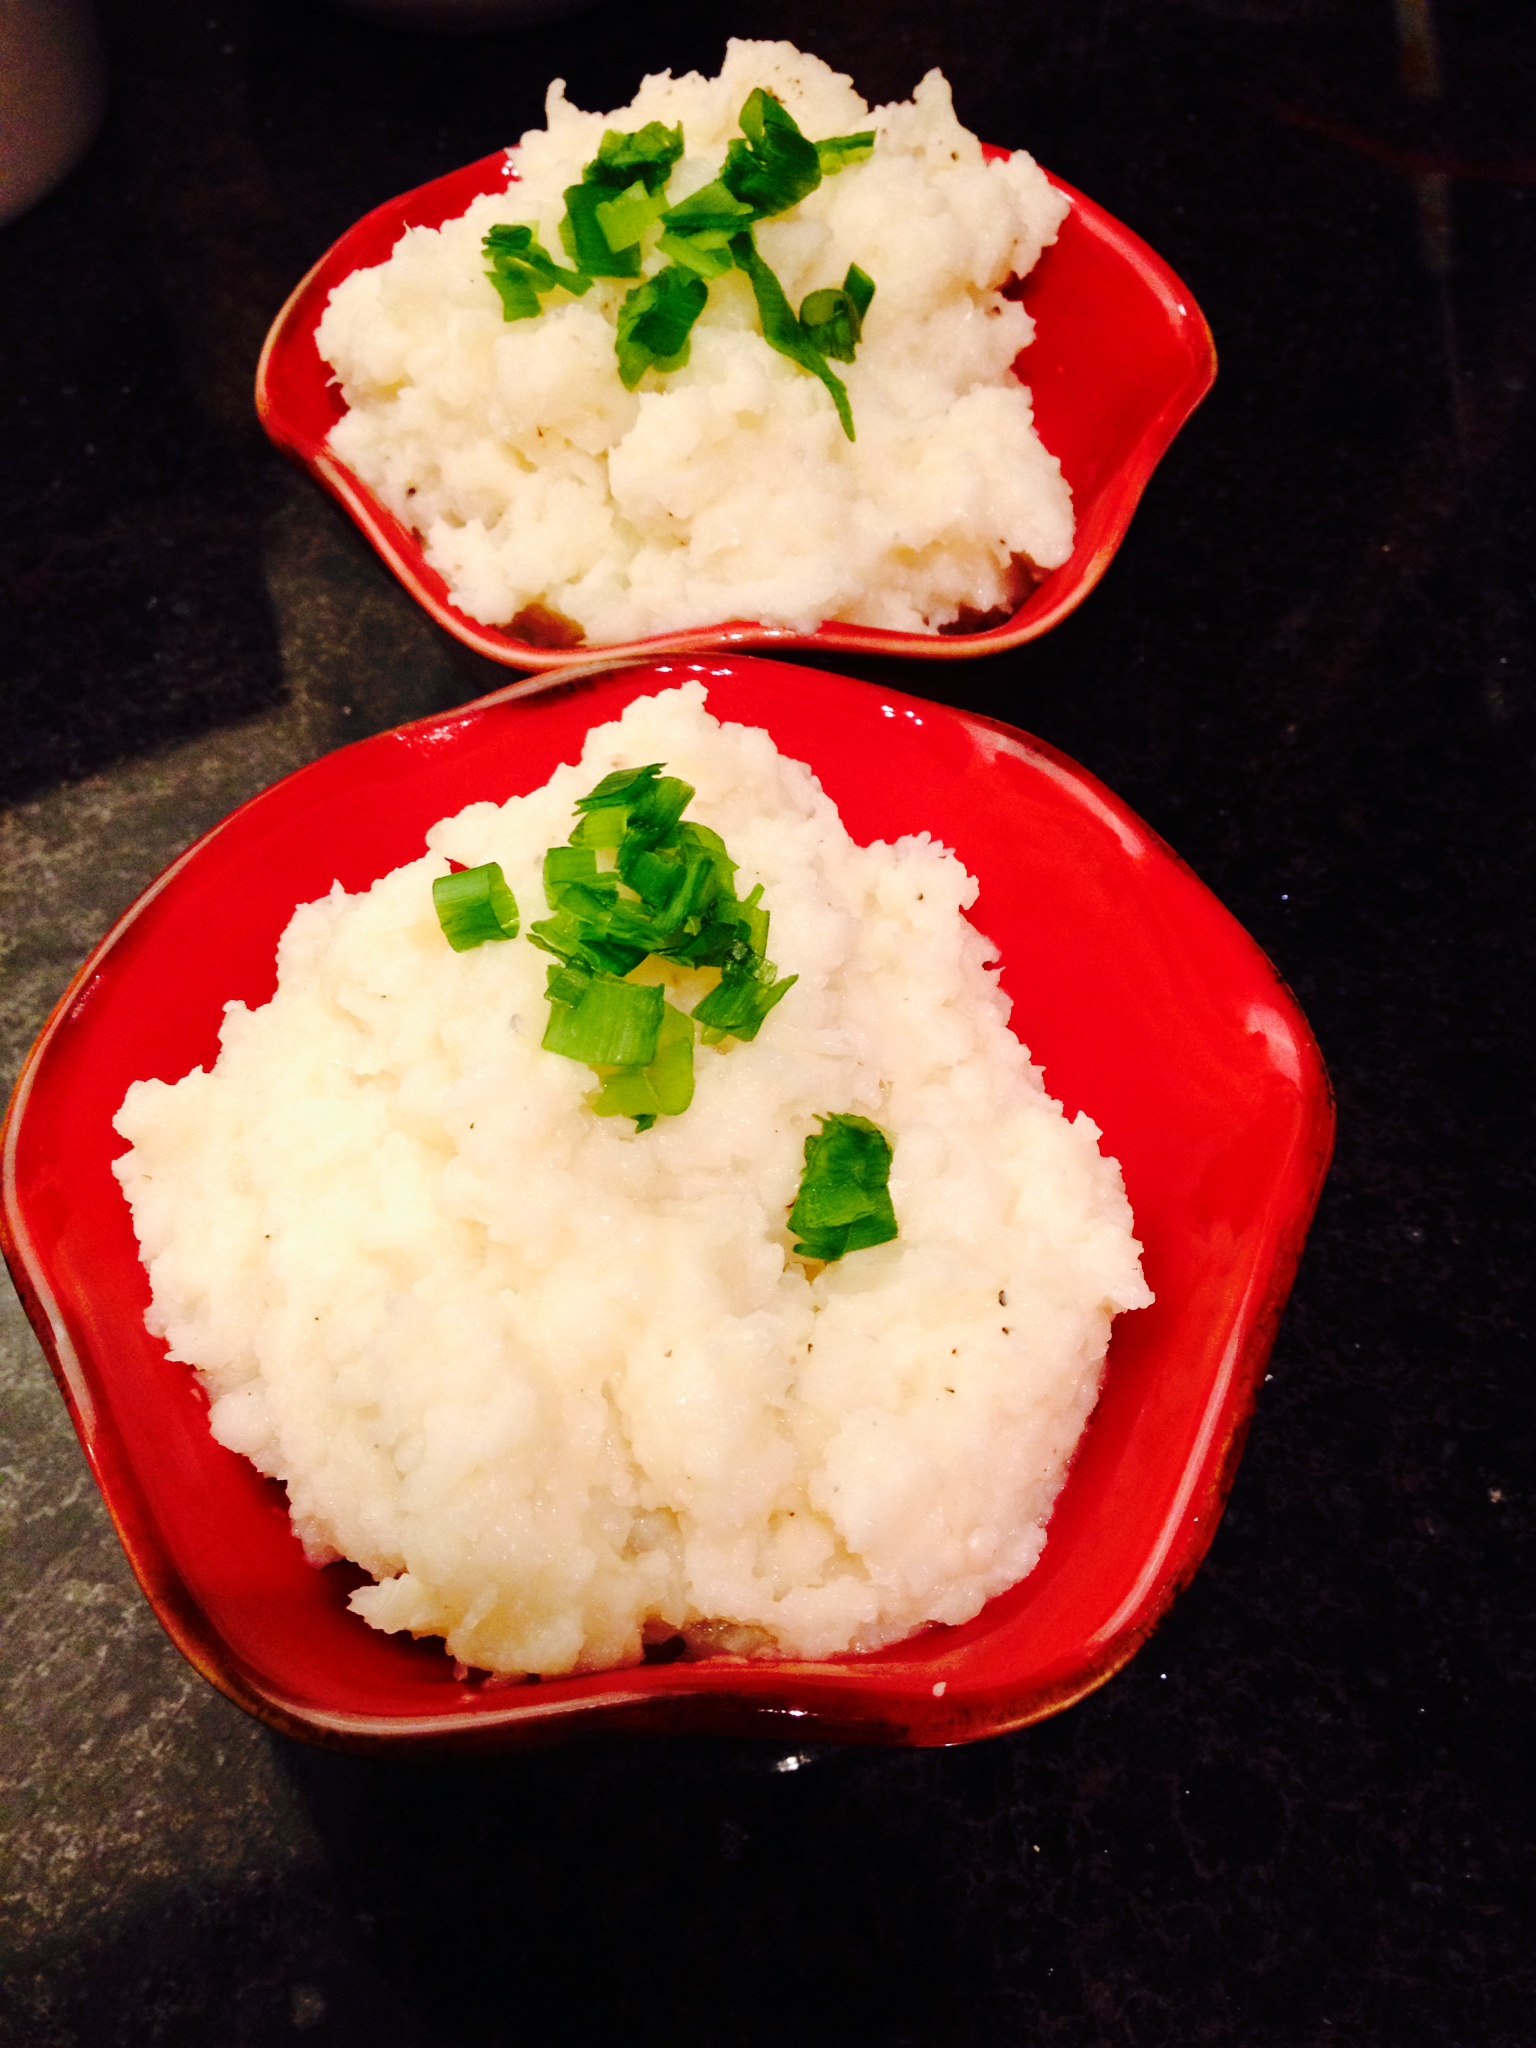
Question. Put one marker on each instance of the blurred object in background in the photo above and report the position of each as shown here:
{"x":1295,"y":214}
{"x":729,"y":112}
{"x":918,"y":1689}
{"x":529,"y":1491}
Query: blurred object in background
{"x":53,"y":93}
{"x":461,"y":17}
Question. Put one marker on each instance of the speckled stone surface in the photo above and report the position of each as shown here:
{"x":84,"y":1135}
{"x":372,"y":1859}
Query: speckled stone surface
{"x":1305,"y":1813}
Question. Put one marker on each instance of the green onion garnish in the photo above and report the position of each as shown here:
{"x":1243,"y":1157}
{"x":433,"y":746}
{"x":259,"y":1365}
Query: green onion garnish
{"x":839,"y":151}
{"x":656,"y":320}
{"x":611,"y":1023}
{"x":782,"y":331}
{"x":662,"y":1088}
{"x":523,"y":272}
{"x":637,"y":881}
{"x":475,"y":905}
{"x":588,"y":247}
{"x":833,"y":320}
{"x":737,"y":1006}
{"x":775,"y":167}
{"x":769,"y":168}
{"x":713,"y":210}
{"x":625,"y":219}
{"x":648,"y":154}
{"x":607,"y":214}
{"x":707,"y":253}
{"x":844,"y":1203}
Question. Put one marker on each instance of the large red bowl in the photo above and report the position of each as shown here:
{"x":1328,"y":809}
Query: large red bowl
{"x":1146,"y":1002}
{"x":1121,"y":358}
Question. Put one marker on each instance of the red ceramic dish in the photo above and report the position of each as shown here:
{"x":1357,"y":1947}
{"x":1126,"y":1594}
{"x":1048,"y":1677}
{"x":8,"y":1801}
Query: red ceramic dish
{"x":1145,"y":1001}
{"x":1121,"y":358}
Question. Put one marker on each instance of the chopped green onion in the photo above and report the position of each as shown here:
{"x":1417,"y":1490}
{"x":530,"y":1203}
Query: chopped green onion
{"x":639,"y":801}
{"x":770,"y":167}
{"x":833,"y":320}
{"x":648,"y":154}
{"x":743,"y":998}
{"x":567,"y":984}
{"x":612,"y":1023}
{"x":713,"y":209}
{"x":585,"y":941}
{"x":656,"y":320}
{"x":621,"y":787}
{"x":602,"y":830}
{"x":844,"y":1203}
{"x":775,"y":167}
{"x":523,"y":271}
{"x":663,"y":1087}
{"x":709,"y":253}
{"x":624,"y":220}
{"x":609,"y":211}
{"x":475,"y":905}
{"x":670,"y":894}
{"x":782,"y":331}
{"x":839,"y":151}
{"x":568,"y":868}
{"x":581,"y":232}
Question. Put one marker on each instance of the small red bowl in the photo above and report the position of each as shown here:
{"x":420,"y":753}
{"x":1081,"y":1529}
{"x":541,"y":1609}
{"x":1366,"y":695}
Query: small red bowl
{"x":1145,"y":1001}
{"x":1121,"y":358}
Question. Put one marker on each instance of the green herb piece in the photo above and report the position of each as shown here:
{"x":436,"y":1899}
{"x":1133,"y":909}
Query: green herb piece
{"x":782,"y":331}
{"x":638,"y":880}
{"x":653,"y":831}
{"x":602,"y":830}
{"x":623,"y":788}
{"x":770,"y":167}
{"x":734,"y":935}
{"x":640,"y":800}
{"x":567,"y":983}
{"x":617,"y":788}
{"x":625,"y":219}
{"x":839,"y":151}
{"x":656,"y":320}
{"x":604,"y":221}
{"x":664,"y":1087}
{"x":647,"y":154}
{"x":572,"y":871}
{"x":585,"y":941}
{"x":581,"y":232}
{"x":743,"y":998}
{"x":475,"y":905}
{"x":709,"y":254}
{"x":775,"y":167}
{"x":844,"y":1203}
{"x":677,"y":885}
{"x":712,"y":209}
{"x":833,"y":319}
{"x":523,"y":271}
{"x":612,"y":1023}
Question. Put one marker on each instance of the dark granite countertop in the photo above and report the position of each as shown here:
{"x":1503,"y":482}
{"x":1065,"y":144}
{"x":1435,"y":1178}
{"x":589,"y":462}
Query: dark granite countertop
{"x":1304,"y":1814}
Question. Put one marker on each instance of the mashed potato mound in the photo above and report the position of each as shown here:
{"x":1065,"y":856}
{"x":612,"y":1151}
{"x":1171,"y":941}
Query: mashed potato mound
{"x":561,"y":1387}
{"x":727,"y":489}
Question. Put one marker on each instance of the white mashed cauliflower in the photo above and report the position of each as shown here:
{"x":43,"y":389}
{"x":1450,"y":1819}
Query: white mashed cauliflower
{"x":561,"y":1387}
{"x":727,"y":489}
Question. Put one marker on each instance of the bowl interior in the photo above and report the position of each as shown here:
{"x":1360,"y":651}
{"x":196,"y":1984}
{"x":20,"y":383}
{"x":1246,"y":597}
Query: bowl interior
{"x":1122,"y":356}
{"x":1144,"y":1001}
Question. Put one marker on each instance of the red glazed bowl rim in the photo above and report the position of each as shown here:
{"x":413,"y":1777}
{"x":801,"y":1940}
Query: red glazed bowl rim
{"x":1102,"y":522}
{"x":901,"y":1696}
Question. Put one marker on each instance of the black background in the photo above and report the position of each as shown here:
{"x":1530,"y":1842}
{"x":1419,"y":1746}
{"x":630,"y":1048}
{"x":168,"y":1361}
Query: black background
{"x":1304,"y":1814}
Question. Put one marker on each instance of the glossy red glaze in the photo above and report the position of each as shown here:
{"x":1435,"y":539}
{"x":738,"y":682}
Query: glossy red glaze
{"x":1121,"y":358}
{"x":1144,"y":1000}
